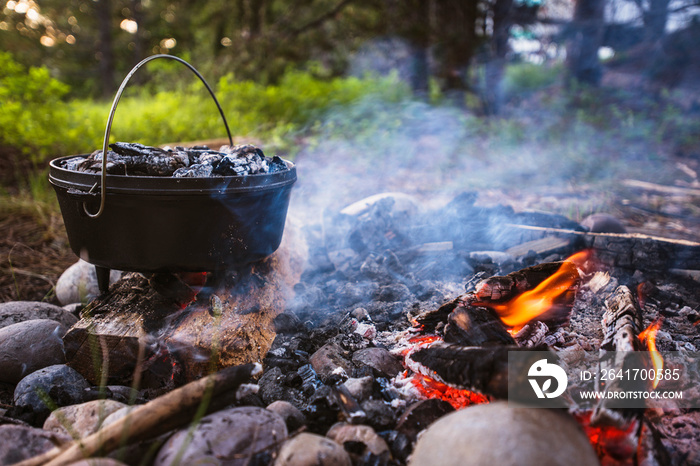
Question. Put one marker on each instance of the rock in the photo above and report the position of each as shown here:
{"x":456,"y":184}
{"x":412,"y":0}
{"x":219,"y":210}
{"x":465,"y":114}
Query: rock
{"x":420,"y":415}
{"x":329,"y":363}
{"x":83,"y":419}
{"x":287,"y":411}
{"x":312,"y":450}
{"x":236,"y":436}
{"x":352,"y":435}
{"x":98,"y":462}
{"x":78,"y":284}
{"x":379,"y":359}
{"x":28,"y":346}
{"x":603,"y":223}
{"x":503,"y":434}
{"x":19,"y":443}
{"x":360,"y":388}
{"x":118,"y":414}
{"x":63,"y":385}
{"x":14,"y":312}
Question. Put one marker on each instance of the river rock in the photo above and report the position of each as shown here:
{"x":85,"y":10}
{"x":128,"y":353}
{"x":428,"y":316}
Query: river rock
{"x":98,"y":462}
{"x":503,"y":434}
{"x":19,"y":443}
{"x":28,"y":346}
{"x":64,"y":386}
{"x":14,"y":312}
{"x":343,"y":433}
{"x":312,"y":450}
{"x":78,"y":284}
{"x":236,"y":436}
{"x":293,"y":418}
{"x":83,"y":419}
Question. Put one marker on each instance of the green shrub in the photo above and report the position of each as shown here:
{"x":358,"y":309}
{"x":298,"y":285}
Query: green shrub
{"x":527,"y":77}
{"x":31,"y":108}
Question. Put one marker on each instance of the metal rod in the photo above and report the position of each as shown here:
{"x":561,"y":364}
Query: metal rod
{"x":103,"y":178}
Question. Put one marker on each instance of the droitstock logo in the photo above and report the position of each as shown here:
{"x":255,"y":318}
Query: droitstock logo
{"x":546,"y":372}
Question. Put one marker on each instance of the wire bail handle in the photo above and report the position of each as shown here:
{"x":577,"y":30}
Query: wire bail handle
{"x":103,"y":177}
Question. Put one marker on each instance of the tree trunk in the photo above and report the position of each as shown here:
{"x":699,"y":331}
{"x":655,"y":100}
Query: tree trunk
{"x":655,"y":19}
{"x":105,"y":46}
{"x":582,"y":52}
{"x":502,"y":22}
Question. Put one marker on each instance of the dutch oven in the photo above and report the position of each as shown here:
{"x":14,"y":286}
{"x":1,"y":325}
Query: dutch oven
{"x":165,"y":224}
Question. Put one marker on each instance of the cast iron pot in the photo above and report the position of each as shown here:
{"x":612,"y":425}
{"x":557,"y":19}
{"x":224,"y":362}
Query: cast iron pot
{"x":165,"y":224}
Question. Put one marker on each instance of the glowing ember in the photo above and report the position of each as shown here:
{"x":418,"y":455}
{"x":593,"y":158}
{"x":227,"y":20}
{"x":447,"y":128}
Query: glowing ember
{"x":431,"y":388}
{"x":648,"y":336}
{"x":608,"y":441}
{"x":533,"y":303}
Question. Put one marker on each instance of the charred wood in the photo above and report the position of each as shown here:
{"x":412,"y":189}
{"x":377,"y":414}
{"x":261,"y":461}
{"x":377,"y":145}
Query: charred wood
{"x":480,"y":369}
{"x":476,"y":326}
{"x":621,"y":324}
{"x":498,"y":289}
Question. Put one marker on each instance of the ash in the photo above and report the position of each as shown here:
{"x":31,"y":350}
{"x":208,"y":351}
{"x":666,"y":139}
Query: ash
{"x":196,"y":162}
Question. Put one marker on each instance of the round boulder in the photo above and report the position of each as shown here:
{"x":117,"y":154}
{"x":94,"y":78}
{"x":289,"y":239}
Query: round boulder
{"x":603,"y":223}
{"x":19,"y":443}
{"x":236,"y":437}
{"x":78,"y":284}
{"x":83,"y":419}
{"x":28,"y":346}
{"x":63,"y":385}
{"x":14,"y":312}
{"x":503,"y":434}
{"x":312,"y":450}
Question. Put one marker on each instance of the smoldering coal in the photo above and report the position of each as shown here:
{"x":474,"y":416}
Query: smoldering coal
{"x":199,"y":162}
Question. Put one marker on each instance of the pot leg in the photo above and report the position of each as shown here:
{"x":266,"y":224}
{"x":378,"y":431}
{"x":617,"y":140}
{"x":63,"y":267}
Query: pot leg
{"x":102,"y":278}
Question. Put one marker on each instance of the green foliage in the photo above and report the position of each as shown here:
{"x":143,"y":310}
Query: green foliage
{"x":44,"y":125}
{"x":31,"y":107}
{"x":527,"y":77}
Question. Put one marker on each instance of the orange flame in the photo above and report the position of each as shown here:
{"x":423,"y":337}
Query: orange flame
{"x":431,"y":388}
{"x":533,"y":303}
{"x":648,"y":336}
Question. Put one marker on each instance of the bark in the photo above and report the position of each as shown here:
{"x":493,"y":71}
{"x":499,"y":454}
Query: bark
{"x":105,"y":47}
{"x":587,"y":35}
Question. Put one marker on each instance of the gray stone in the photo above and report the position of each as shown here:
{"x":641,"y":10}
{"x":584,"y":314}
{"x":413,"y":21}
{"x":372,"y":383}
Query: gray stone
{"x":118,"y":414}
{"x":236,"y":436}
{"x":28,"y":346}
{"x":63,"y":385}
{"x":83,"y":419}
{"x":312,"y":450}
{"x":342,"y":433}
{"x":603,"y":223}
{"x":361,"y":388}
{"x":287,"y":411}
{"x":19,"y":443}
{"x":98,"y":462}
{"x":78,"y":284}
{"x":379,"y":359}
{"x":329,"y":363}
{"x":14,"y":312}
{"x":503,"y":434}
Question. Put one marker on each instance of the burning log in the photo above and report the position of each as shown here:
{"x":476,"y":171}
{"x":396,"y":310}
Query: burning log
{"x":156,"y":417}
{"x":473,"y":326}
{"x":633,"y":250}
{"x":481,"y":369}
{"x":134,"y":330}
{"x":621,"y":323}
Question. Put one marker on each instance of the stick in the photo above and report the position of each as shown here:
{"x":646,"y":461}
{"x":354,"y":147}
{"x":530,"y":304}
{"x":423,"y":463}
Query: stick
{"x":150,"y":420}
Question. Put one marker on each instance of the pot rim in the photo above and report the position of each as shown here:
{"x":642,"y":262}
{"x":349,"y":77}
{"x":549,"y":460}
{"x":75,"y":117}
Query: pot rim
{"x":167,"y":185}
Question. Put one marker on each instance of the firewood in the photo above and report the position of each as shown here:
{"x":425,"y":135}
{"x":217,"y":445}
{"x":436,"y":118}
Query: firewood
{"x":481,"y":369}
{"x":170,"y":411}
{"x":677,"y":190}
{"x":632,"y":250}
{"x":133,"y":330}
{"x":476,"y":326}
{"x":498,"y":289}
{"x":622,"y":322}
